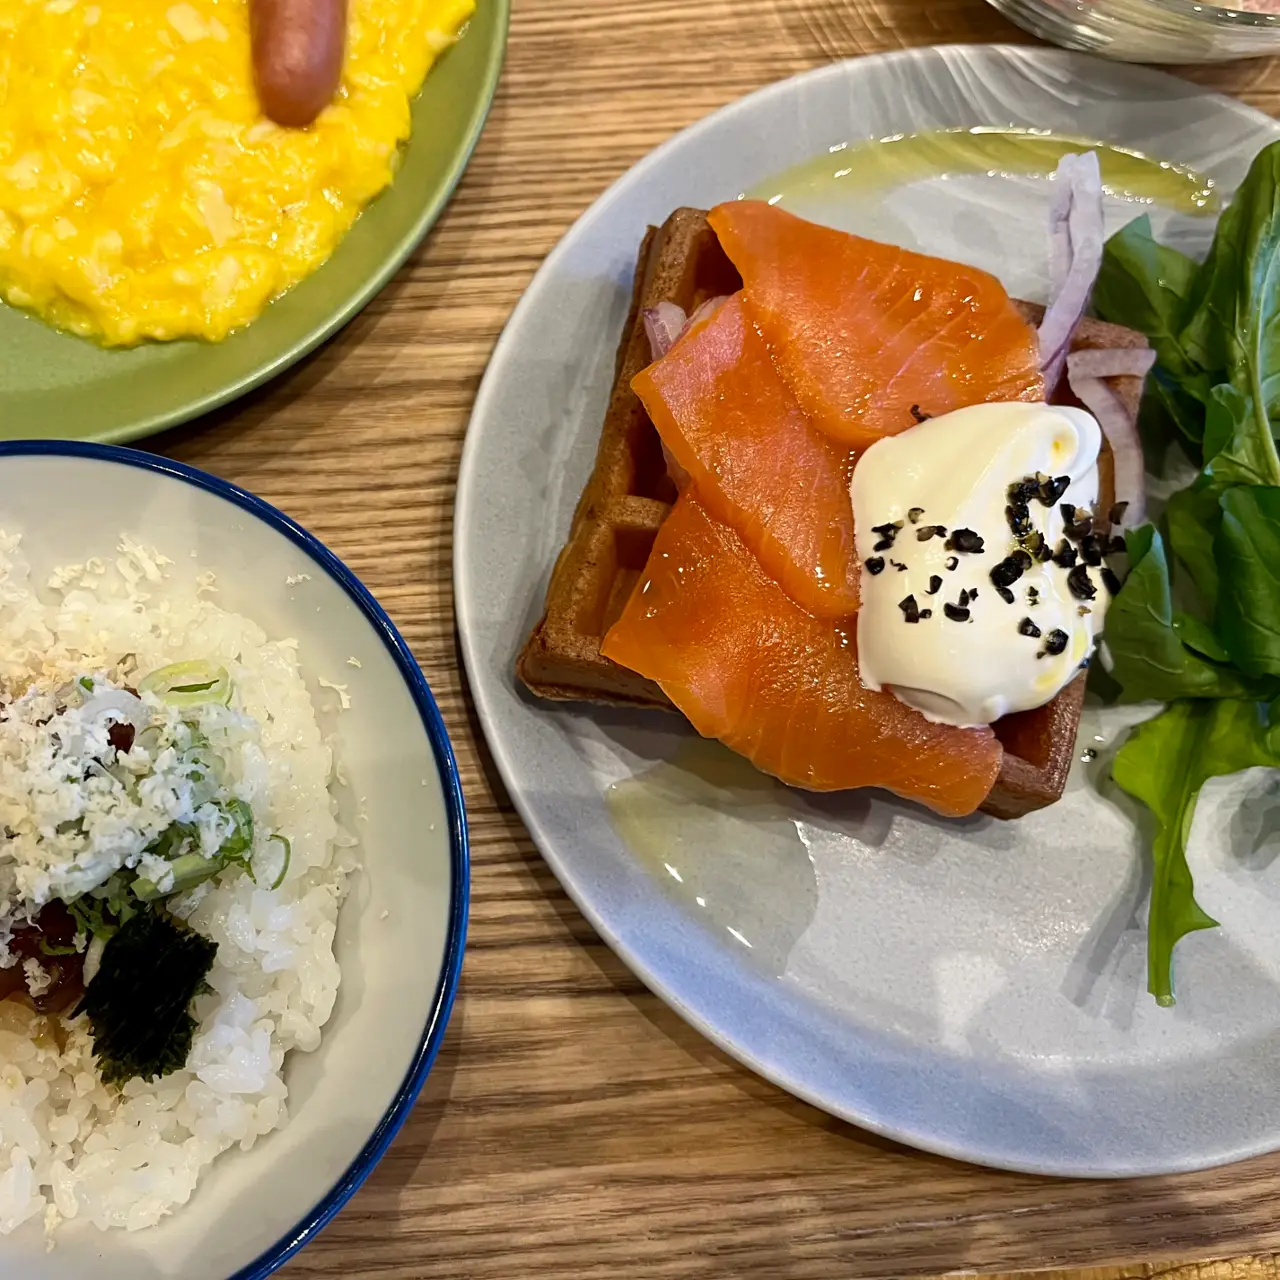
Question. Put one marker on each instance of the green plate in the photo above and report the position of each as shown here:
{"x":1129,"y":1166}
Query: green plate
{"x":55,"y":385}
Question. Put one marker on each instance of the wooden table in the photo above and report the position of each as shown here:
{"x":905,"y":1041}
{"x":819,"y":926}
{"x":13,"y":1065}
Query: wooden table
{"x":573,"y":1126}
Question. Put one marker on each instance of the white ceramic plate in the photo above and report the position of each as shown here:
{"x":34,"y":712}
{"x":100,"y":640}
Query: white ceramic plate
{"x":400,"y":932}
{"x":975,"y":988}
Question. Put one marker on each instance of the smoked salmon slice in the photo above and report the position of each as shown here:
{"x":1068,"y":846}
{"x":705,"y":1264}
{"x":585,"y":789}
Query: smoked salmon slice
{"x":862,"y":331}
{"x":748,"y":666}
{"x":756,"y":462}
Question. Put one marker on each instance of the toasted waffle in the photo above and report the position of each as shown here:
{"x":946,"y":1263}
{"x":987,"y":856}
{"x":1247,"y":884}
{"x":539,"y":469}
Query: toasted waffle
{"x":630,"y":492}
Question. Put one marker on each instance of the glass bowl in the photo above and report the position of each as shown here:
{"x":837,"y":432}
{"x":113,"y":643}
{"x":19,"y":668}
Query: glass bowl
{"x":1180,"y":31}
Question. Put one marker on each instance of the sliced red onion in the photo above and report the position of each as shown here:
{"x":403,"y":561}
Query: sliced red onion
{"x":666,"y":322}
{"x":662,"y":326}
{"x":1085,"y":373}
{"x":1076,"y":233}
{"x":704,"y":311}
{"x":1110,"y":362}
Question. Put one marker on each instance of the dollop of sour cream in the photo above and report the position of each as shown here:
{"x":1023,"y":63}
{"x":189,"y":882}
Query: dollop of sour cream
{"x":934,"y":628}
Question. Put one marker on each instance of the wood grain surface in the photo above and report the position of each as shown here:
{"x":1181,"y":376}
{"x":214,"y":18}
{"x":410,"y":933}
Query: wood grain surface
{"x":573,"y":1126}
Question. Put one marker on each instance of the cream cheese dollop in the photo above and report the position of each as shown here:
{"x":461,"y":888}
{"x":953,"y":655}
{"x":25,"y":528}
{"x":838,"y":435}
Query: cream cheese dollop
{"x":933,"y":626}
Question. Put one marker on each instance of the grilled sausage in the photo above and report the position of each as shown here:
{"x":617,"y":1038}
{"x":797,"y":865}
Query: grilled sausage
{"x":298,"y":47}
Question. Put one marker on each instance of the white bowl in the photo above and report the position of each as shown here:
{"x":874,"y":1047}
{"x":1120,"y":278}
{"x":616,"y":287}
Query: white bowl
{"x":401,"y":931}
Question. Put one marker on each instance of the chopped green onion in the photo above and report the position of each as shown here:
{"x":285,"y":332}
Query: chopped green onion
{"x":189,"y":684}
{"x":52,"y":949}
{"x":240,"y":841}
{"x":86,"y":684}
{"x":188,"y":871}
{"x":102,"y":911}
{"x":288,"y":857}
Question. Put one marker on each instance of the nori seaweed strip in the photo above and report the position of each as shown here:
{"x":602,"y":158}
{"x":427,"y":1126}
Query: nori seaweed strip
{"x":139,"y":1002}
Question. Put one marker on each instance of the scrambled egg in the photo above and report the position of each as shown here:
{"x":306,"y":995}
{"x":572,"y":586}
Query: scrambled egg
{"x":142,"y":192}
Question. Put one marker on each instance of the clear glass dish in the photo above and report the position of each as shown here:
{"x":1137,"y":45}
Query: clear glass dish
{"x":1150,"y":30}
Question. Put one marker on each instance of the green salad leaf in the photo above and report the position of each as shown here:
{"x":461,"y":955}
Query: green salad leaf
{"x":1158,"y":652}
{"x":1197,"y":622}
{"x":1247,"y":550}
{"x":1192,"y":517}
{"x":1144,"y":285}
{"x":1232,"y":328}
{"x":1238,"y":447}
{"x":1165,"y":763}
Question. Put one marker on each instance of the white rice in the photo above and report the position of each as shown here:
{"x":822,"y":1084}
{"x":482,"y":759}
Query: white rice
{"x":70,"y":1147}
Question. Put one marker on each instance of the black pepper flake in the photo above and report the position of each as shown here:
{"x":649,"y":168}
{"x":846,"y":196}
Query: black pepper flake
{"x":914,"y":514}
{"x":1028,"y":628}
{"x":1109,"y":580}
{"x":1044,"y":552}
{"x":874,"y":565}
{"x":1020,"y":558}
{"x":1052,"y":490}
{"x":1055,"y":643}
{"x":927,"y":531}
{"x":897,"y":564}
{"x":935,"y":584}
{"x":1068,"y":510}
{"x":1091,"y":549}
{"x":910,"y":610}
{"x":925,"y":613}
{"x":888,"y":532}
{"x":1005,"y":594}
{"x":964,"y":599}
{"x":1065,"y":556}
{"x":919,"y":414}
{"x":1033,"y":595}
{"x":1024,"y":490}
{"x":1006,"y":573}
{"x":1080,"y":584}
{"x":957,"y":613}
{"x":952,"y":561}
{"x":1018,"y":514}
{"x":965,"y":540}
{"x":1080,"y":528}
{"x":1116,"y":514}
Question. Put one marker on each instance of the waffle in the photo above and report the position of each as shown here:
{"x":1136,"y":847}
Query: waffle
{"x":630,"y":492}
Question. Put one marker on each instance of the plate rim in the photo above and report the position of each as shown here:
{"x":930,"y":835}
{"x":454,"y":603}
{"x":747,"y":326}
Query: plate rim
{"x":473,"y":660}
{"x":442,"y":1001}
{"x":372,"y":285}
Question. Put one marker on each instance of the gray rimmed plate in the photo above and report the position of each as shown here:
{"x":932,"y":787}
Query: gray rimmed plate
{"x":975,"y":988}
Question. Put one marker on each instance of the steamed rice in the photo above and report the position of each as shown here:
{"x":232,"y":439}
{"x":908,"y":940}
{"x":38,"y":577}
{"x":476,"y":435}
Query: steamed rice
{"x":71,"y":1147}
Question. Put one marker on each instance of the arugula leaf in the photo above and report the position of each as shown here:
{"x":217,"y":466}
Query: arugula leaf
{"x":1247,"y":549}
{"x":1165,"y":763}
{"x":1155,"y":649}
{"x":1144,"y":285}
{"x":1233,"y":307}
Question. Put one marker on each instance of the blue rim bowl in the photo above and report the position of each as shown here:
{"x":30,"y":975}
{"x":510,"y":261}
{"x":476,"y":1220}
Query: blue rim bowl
{"x":459,"y":852}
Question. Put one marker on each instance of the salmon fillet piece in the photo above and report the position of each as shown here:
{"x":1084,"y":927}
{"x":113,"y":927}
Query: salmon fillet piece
{"x":748,"y":666}
{"x":862,"y":331}
{"x":755,"y":460}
